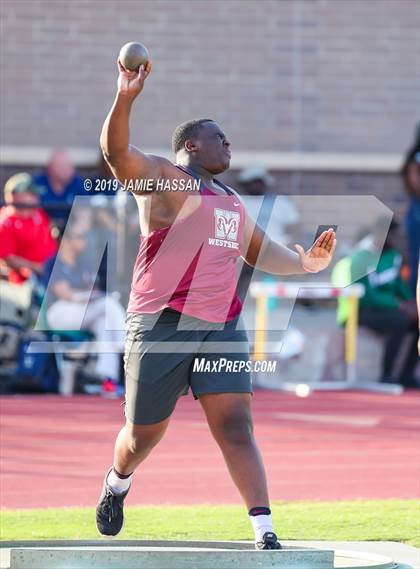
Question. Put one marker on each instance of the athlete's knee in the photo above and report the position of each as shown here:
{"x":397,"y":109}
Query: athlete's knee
{"x":138,"y":444}
{"x":142,"y":438}
{"x":235,"y":430}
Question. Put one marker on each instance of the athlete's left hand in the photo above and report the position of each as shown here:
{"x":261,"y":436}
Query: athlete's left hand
{"x":319,"y":256}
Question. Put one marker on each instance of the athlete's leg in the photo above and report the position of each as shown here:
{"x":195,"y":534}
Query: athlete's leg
{"x":153,"y":383}
{"x":134,"y":443}
{"x":229,"y":418}
{"x":230,"y":421}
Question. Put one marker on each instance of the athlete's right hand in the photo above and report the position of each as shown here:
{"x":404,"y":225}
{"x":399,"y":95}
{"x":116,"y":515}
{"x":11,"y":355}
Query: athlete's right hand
{"x":131,"y":83}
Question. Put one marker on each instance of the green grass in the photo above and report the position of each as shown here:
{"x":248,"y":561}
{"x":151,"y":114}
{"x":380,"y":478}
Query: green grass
{"x":379,"y":520}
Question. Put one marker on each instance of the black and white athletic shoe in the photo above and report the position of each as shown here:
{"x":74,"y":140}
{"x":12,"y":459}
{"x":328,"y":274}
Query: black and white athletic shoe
{"x":109,"y":511}
{"x":269,"y":541}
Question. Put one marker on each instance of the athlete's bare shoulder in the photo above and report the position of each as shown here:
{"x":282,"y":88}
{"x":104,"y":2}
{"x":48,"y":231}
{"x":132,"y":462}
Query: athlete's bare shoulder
{"x":172,"y":172}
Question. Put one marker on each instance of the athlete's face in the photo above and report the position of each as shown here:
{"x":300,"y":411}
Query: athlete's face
{"x":212,"y":148}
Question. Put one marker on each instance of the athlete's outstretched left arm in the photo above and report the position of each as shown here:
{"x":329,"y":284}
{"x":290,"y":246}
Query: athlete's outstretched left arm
{"x":266,"y":255}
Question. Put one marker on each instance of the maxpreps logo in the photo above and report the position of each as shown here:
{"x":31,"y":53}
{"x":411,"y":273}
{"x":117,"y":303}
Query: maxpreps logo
{"x":226,"y":228}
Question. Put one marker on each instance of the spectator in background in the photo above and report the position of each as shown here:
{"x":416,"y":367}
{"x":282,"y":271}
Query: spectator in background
{"x":62,"y":185}
{"x":279,"y":214}
{"x":104,"y":230}
{"x":418,"y":305}
{"x":411,"y":177}
{"x":276,"y":214}
{"x":96,"y":219}
{"x":73,"y":303}
{"x":104,"y":208}
{"x":26,"y":241}
{"x":388,"y":306}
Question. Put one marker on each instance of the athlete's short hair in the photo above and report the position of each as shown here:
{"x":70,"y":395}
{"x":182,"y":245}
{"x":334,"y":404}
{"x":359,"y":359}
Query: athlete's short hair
{"x":185,"y":131}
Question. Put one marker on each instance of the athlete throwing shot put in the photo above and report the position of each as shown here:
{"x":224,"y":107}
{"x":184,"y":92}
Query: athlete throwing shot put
{"x":183,"y":294}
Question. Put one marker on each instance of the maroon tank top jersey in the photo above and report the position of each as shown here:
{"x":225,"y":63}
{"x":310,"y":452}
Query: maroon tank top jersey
{"x":190,"y":266}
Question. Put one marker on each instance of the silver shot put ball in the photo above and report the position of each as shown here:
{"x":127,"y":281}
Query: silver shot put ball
{"x":133,"y":55}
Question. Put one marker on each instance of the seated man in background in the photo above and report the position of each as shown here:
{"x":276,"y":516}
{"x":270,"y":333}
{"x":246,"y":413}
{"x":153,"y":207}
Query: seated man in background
{"x":74,"y":304}
{"x":26,"y":240}
{"x":388,"y":306}
{"x":411,"y":179}
{"x":62,"y":185}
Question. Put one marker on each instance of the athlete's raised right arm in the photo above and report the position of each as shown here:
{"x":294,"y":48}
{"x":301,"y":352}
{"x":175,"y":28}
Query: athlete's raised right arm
{"x":126,"y":161}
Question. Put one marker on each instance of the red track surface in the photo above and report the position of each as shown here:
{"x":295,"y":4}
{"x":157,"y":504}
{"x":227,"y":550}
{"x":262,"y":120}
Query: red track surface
{"x":329,"y":446}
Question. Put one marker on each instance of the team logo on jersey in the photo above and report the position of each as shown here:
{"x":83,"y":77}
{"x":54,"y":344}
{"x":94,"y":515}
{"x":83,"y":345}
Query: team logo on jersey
{"x":227,"y":224}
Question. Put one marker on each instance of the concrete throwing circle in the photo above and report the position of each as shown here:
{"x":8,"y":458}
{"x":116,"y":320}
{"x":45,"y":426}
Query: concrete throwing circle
{"x":134,"y":554}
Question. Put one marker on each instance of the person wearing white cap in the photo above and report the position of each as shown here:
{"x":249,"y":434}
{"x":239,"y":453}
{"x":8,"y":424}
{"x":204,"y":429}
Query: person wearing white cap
{"x":281,"y":217}
{"x":275,"y":213}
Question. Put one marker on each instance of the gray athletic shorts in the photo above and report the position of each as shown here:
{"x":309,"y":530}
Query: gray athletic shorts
{"x":159,"y":362}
